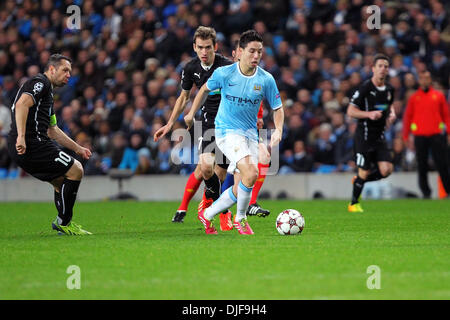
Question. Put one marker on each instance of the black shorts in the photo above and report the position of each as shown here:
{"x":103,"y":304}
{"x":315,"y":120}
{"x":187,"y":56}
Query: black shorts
{"x":42,"y":159}
{"x":207,"y":144}
{"x":368,"y":153}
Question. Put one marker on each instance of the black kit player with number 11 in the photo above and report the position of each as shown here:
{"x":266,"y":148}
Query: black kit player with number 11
{"x":30,"y":142}
{"x":371,"y":104}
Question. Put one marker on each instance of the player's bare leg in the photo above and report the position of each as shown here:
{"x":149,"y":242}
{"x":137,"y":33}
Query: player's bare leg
{"x":194,"y":181}
{"x":254,"y":209}
{"x":385,"y":168}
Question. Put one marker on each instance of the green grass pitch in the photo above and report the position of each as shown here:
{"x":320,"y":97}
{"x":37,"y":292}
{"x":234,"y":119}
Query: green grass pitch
{"x":136,"y":252}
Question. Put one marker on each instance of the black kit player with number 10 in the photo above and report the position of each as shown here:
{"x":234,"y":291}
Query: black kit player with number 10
{"x":33,"y":127}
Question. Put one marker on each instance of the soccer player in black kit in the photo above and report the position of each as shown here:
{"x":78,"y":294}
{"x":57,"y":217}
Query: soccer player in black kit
{"x":30,"y":141}
{"x":371,"y":104}
{"x":197,"y":71}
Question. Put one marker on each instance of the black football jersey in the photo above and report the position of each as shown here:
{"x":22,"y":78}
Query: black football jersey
{"x":368,"y":97}
{"x":40,"y":89}
{"x":194,"y":73}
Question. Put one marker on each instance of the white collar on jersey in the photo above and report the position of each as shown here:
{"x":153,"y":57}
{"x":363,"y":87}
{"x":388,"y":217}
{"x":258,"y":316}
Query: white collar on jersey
{"x":206,"y":68}
{"x":239,"y":69}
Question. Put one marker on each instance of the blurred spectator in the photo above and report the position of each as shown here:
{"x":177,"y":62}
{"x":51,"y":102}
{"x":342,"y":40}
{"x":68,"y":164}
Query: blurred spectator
{"x":115,"y":116}
{"x":404,"y":155}
{"x":103,"y":141}
{"x":297,"y":130}
{"x":239,"y":17}
{"x":440,"y":67}
{"x":6,"y":68}
{"x":128,"y":115}
{"x":163,"y":157}
{"x":343,"y":136}
{"x":434,"y":43}
{"x":142,"y":109}
{"x":5,"y":159}
{"x":296,"y":160}
{"x":312,"y":75}
{"x":94,"y":165}
{"x":304,"y":97}
{"x":111,"y":21}
{"x":10,"y":89}
{"x":145,"y":162}
{"x":5,"y":118}
{"x":86,"y":124}
{"x":130,"y":156}
{"x":119,"y":144}
{"x":324,"y":146}
{"x":439,"y":16}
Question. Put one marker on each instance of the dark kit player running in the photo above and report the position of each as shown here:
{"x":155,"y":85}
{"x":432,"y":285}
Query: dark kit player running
{"x":196,"y":72}
{"x":30,"y":141}
{"x":371,"y":104}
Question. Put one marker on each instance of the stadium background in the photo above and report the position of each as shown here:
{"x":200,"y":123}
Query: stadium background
{"x":128,"y":56}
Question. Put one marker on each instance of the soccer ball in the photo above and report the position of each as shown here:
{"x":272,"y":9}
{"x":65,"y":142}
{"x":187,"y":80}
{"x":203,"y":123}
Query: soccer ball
{"x":290,"y":222}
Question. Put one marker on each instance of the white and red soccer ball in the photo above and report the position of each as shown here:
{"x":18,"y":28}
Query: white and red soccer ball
{"x":290,"y":222}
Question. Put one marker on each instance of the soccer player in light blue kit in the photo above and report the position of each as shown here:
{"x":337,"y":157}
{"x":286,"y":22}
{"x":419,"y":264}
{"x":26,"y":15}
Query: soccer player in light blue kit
{"x":243,"y":85}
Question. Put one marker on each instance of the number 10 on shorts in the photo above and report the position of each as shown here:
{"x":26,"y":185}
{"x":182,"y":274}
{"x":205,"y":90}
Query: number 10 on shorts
{"x":64,"y":158}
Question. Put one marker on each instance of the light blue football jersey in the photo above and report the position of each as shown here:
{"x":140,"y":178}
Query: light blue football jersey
{"x":241,"y":97}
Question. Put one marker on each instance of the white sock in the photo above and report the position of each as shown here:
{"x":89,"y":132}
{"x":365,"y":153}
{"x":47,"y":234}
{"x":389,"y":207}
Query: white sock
{"x":244,"y":195}
{"x":225,"y":201}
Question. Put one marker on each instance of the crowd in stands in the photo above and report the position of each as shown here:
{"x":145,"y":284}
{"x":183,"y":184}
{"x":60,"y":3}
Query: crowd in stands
{"x":128,"y":56}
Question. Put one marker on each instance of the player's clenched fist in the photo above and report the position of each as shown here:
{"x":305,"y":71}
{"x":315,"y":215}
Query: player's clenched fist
{"x":189,"y":120}
{"x":84,"y":153}
{"x":375,"y":115}
{"x":21,"y":145}
{"x":276,"y":138}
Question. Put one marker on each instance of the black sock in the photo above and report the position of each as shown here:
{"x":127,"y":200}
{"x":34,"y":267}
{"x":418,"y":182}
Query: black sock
{"x":58,"y":202}
{"x":212,"y":189}
{"x":358,"y":185}
{"x":374,"y":175}
{"x":69,"y":189}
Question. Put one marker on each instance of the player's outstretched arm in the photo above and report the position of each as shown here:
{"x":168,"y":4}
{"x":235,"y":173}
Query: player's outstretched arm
{"x":59,"y":136}
{"x":199,"y":100}
{"x":180,"y":104}
{"x":278,"y":119}
{"x":22,"y":108}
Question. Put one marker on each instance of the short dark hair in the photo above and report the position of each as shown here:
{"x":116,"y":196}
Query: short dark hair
{"x":249,"y":36}
{"x":380,"y":56}
{"x":55,"y":60}
{"x":205,"y":33}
